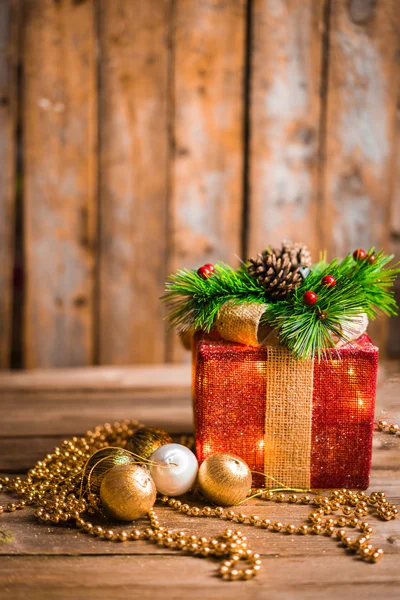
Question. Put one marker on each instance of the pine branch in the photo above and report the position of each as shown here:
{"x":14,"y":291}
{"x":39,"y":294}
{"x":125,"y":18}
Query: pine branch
{"x":376,"y":279}
{"x":361,"y":287}
{"x":309,"y":330}
{"x":194,"y":302}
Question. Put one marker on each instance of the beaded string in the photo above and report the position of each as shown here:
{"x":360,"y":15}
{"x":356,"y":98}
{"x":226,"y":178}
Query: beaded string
{"x":53,"y":487}
{"x":391,"y":428}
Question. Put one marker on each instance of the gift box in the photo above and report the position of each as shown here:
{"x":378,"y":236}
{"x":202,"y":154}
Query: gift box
{"x":297,"y":423}
{"x":284,"y":373}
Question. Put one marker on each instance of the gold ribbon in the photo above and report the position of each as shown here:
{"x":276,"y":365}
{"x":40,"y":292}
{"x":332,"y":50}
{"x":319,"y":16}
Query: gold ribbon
{"x":240,"y":322}
{"x":288,"y":419}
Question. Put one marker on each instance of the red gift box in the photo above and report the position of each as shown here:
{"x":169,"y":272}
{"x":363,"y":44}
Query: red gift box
{"x":304,"y":424}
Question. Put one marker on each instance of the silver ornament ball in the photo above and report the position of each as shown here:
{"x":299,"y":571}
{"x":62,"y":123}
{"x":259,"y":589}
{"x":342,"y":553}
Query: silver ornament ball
{"x":175,"y":470}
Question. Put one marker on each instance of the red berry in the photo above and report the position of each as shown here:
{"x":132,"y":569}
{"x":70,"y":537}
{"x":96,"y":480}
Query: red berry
{"x":329,"y":281}
{"x":210,"y":267}
{"x":371,"y":258}
{"x":204,"y":272}
{"x":359,"y":254}
{"x":309,"y":298}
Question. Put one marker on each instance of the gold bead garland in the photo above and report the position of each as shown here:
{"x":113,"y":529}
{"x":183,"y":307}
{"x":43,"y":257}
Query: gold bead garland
{"x":54,"y":487}
{"x":386,"y":427}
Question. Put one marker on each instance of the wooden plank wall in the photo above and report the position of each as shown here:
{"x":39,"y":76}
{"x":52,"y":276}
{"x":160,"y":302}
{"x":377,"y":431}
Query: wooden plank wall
{"x":285,"y":111}
{"x":360,"y":126}
{"x":167,"y":133}
{"x":60,"y":181}
{"x":9,"y":32}
{"x":134,"y":110}
{"x":207,"y":128}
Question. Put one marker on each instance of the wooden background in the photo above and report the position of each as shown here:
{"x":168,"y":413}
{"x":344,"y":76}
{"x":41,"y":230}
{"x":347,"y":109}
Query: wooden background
{"x":137,"y":136}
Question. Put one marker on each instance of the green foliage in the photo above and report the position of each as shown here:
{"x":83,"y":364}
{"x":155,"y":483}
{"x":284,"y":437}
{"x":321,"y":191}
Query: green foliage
{"x":361,"y":287}
{"x":193,"y":302}
{"x":376,"y":280}
{"x":308,"y":330}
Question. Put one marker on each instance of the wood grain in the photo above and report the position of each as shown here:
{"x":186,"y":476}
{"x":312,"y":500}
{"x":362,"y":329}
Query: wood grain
{"x":207,"y":165}
{"x":59,"y":65}
{"x":9,"y":35}
{"x":159,"y":396}
{"x":60,"y":412}
{"x":361,"y":113}
{"x":43,"y":562}
{"x":394,"y":329}
{"x":100,"y":577}
{"x":364,"y":47}
{"x":98,"y":379}
{"x":133,"y":179}
{"x":361,"y":109}
{"x":285,"y":106}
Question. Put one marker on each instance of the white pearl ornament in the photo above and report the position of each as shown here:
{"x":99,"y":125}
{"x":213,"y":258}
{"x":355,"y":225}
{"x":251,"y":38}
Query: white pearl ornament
{"x":180,"y":476}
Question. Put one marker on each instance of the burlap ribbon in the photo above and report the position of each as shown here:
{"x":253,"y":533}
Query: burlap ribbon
{"x":288,"y":417}
{"x":241,"y":323}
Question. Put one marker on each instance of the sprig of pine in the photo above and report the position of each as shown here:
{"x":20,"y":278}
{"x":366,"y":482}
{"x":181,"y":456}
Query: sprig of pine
{"x":361,"y":287}
{"x":376,"y":279}
{"x":309,"y":330}
{"x":194,"y":302}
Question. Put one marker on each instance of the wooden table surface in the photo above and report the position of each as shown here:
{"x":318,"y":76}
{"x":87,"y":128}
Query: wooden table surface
{"x":39,"y":409}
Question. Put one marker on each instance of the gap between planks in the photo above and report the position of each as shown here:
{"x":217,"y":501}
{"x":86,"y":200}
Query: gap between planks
{"x":97,"y":378}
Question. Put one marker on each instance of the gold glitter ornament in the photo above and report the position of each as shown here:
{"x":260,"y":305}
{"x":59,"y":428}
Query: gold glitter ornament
{"x":147,"y":440}
{"x":100,"y":463}
{"x":225,"y":479}
{"x":127,"y":492}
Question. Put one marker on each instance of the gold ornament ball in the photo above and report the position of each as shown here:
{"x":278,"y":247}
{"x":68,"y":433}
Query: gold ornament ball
{"x":127,"y":492}
{"x":100,"y":463}
{"x":147,"y":440}
{"x":225,"y":479}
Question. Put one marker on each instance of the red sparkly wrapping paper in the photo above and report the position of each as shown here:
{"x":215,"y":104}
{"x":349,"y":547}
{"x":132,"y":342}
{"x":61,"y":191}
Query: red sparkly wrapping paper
{"x":230,"y":403}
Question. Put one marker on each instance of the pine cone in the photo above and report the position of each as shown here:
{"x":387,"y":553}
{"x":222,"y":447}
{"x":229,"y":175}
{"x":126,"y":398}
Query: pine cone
{"x":278,"y":269}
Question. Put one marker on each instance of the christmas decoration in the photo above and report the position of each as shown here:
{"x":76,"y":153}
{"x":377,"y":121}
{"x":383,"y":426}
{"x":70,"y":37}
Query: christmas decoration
{"x":309,"y":298}
{"x":296,"y":400}
{"x":361,"y":287}
{"x":146,"y":440}
{"x":225,"y":479}
{"x":391,"y":428}
{"x":100,"y":463}
{"x":210,"y":267}
{"x":174,"y":469}
{"x":127,"y":492}
{"x":278,"y":270}
{"x":328,"y":281}
{"x":55,"y":488}
{"x":359,"y":254}
{"x":205,"y":271}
